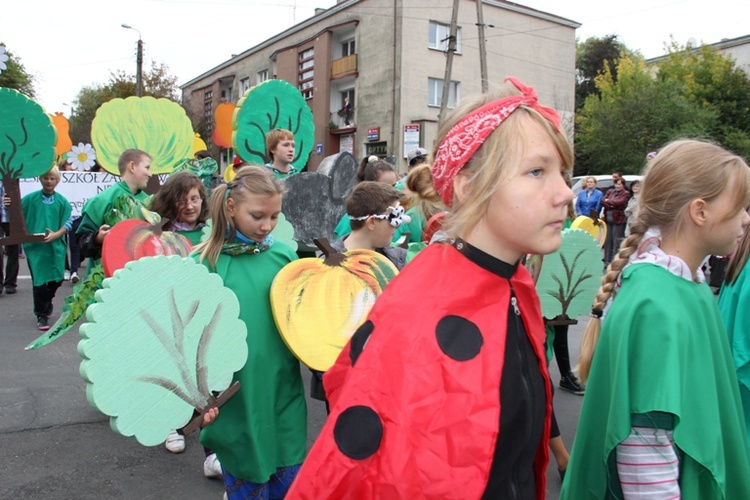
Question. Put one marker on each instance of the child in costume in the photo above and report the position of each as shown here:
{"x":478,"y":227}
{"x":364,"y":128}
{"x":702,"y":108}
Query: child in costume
{"x":443,"y":392}
{"x":46,"y":212}
{"x":182,"y":200}
{"x":280,"y":146}
{"x":662,"y":416}
{"x":734,"y":304}
{"x":423,"y":201}
{"x":135,"y":171}
{"x":371,"y":168}
{"x":260,"y":437}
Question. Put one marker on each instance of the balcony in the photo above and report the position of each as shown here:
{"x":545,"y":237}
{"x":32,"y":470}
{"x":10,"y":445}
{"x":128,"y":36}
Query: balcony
{"x":344,"y":66}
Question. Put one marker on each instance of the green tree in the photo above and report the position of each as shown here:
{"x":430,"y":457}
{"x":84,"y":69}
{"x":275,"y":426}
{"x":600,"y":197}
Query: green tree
{"x":592,"y":57}
{"x":15,"y":76}
{"x":712,"y":80}
{"x":157,"y":82}
{"x":633,"y":115}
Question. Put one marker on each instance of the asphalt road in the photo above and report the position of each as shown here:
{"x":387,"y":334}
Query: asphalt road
{"x":55,"y":446}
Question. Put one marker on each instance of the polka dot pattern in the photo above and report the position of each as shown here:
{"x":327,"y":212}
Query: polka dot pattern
{"x":459,"y":338}
{"x":359,"y":339}
{"x":358,"y":432}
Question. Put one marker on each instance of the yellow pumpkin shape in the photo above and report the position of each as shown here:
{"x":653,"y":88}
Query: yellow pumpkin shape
{"x":596,"y":228}
{"x":318,"y":304}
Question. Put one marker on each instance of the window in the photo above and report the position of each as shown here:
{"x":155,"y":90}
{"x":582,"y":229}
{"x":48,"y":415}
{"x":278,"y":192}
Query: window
{"x":208,"y":95}
{"x":306,"y":72}
{"x":438,"y":37}
{"x":262,"y":76}
{"x":347,"y":48}
{"x":435,"y":92}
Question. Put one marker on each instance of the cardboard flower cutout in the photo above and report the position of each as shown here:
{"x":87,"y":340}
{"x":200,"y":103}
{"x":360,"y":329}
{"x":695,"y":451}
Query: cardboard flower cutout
{"x":164,"y":333}
{"x":82,"y":157}
{"x":158,"y":126}
{"x":3,"y":58}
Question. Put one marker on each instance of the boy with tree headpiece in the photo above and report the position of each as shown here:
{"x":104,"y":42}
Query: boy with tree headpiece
{"x":135,"y":171}
{"x":280,"y":147}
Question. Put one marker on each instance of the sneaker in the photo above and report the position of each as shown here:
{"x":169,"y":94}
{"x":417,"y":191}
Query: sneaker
{"x":175,"y":442}
{"x":42,"y":324}
{"x":74,"y":278}
{"x":571,"y":384}
{"x":212,"y":467}
{"x":10,"y":289}
{"x":66,"y":275}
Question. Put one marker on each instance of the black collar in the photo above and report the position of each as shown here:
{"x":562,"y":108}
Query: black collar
{"x":485,"y":260}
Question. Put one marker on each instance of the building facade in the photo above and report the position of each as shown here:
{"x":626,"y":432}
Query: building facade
{"x":372,"y":71}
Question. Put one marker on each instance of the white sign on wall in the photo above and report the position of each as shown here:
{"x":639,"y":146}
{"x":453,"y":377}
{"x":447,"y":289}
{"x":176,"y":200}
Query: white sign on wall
{"x":346,"y":144}
{"x":411,"y":138}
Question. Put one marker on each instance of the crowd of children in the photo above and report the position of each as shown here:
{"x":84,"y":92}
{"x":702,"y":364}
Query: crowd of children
{"x":444,"y":391}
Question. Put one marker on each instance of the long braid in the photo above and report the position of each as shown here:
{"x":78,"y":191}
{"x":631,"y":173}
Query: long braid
{"x":591,"y":335}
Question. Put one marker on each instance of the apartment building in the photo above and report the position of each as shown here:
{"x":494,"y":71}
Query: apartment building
{"x":387,"y":59}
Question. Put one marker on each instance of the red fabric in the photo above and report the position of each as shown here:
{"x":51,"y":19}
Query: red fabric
{"x":440,"y":416}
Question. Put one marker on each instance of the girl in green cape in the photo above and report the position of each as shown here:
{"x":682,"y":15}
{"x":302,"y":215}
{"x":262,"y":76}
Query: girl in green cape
{"x":662,"y":417}
{"x":260,"y":436}
{"x":182,"y":200}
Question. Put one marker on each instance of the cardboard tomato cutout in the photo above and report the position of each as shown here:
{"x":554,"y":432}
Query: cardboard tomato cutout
{"x":222,"y":135}
{"x":133,"y":239}
{"x":62,"y":127}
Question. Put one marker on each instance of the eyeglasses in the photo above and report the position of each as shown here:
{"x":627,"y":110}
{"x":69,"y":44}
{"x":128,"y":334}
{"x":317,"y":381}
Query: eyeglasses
{"x":394,"y":215}
{"x":194,"y":201}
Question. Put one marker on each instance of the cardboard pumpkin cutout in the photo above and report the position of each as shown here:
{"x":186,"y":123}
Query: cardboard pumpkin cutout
{"x":596,"y":227}
{"x":318,"y":304}
{"x":163,"y":334}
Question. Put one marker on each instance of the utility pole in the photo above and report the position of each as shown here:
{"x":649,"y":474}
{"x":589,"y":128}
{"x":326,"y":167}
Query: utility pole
{"x":482,"y":47}
{"x":139,"y":70}
{"x":449,"y":61}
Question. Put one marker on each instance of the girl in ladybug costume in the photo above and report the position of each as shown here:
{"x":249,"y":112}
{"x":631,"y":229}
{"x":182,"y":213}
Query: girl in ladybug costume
{"x":443,"y":392}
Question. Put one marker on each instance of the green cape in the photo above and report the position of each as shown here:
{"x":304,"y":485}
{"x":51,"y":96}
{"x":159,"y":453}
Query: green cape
{"x":415,"y":226}
{"x":264,"y":425}
{"x":96,"y":208}
{"x":663,"y":349}
{"x":46,"y":260}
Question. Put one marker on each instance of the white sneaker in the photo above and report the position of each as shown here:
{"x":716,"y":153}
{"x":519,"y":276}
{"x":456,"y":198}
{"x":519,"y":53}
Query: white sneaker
{"x":175,"y":442}
{"x":212,"y":467}
{"x":74,"y":278}
{"x":66,"y":275}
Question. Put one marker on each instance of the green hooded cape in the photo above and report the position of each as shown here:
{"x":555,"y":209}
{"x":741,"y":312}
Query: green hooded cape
{"x":46,"y":260}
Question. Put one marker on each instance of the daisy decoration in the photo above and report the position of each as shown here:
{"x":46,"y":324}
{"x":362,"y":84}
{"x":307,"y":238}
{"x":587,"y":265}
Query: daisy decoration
{"x":3,"y":58}
{"x":82,"y":156}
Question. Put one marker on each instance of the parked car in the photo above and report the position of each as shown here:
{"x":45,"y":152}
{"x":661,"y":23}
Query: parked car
{"x":603,"y":182}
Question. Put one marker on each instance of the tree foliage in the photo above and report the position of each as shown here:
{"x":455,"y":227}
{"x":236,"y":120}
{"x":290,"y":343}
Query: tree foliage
{"x":157,"y":82}
{"x":15,"y":76}
{"x":592,"y":57}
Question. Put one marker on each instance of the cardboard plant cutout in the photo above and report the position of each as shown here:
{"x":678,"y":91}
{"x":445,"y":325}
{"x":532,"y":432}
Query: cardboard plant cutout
{"x":84,"y":292}
{"x":319,"y":303}
{"x":27,"y":149}
{"x":62,"y":127}
{"x":267,"y":106}
{"x":163,"y":335}
{"x":223,"y":114}
{"x":568,"y":279}
{"x":133,"y":239}
{"x":159,"y":127}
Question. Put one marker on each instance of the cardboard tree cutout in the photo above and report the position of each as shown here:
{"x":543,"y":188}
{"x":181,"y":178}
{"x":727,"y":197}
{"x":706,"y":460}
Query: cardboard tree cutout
{"x":318,"y":304}
{"x":27,"y":149}
{"x":223,"y":114}
{"x":270,"y":105}
{"x":159,"y":127}
{"x":568,"y":279}
{"x":62,"y":127}
{"x":163,"y":335}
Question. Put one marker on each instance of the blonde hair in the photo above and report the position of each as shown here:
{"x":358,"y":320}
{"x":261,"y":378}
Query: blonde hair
{"x":422,"y":193}
{"x":739,"y":259}
{"x":683,"y":170}
{"x":496,"y":160}
{"x":54,"y":171}
{"x":250,"y":180}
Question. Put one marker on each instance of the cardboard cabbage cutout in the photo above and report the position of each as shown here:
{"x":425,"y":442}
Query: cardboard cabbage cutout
{"x":206,"y":169}
{"x":133,"y":239}
{"x":159,"y":127}
{"x":164,"y":333}
{"x":223,"y":114}
{"x":596,"y":227}
{"x":84,"y":292}
{"x":315,"y":201}
{"x":62,"y":127}
{"x":319,"y":303}
{"x":568,"y":279}
{"x":27,"y":149}
{"x":267,"y":106}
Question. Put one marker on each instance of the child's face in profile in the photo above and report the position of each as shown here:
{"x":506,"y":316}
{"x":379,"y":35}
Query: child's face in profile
{"x":49,"y":183}
{"x":526,"y":215}
{"x":256,"y":215}
{"x":284,"y":152}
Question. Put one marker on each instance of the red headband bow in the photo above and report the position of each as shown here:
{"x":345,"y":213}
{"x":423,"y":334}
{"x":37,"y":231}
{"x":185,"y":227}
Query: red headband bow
{"x":466,"y":136}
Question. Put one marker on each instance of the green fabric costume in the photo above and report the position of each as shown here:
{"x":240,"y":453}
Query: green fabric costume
{"x":734,"y":304}
{"x":343,"y":228}
{"x":95,"y":209}
{"x":194,"y":235}
{"x":46,"y":260}
{"x":662,"y":349}
{"x":264,"y":426}
{"x":415,"y":226}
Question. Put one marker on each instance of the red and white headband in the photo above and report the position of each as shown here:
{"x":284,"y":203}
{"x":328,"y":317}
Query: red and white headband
{"x":466,"y":136}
